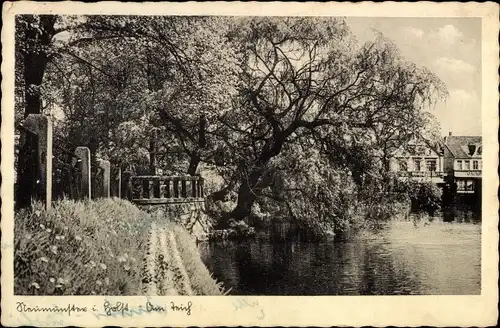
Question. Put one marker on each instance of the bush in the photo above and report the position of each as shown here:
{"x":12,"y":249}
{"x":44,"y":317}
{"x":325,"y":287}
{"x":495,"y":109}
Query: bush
{"x":219,"y":211}
{"x":376,"y":211}
{"x":425,"y":196}
{"x":80,"y":248}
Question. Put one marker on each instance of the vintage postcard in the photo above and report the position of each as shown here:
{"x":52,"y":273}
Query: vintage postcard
{"x":249,"y":164}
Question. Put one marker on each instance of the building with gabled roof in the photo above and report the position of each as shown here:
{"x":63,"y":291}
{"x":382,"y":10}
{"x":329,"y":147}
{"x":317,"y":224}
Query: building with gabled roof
{"x":418,"y":160}
{"x":463,"y":161}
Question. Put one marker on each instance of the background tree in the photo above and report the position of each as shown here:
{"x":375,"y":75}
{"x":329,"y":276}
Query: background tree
{"x":156,"y":77}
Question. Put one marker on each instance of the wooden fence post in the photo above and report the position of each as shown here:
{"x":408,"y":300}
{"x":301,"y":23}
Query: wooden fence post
{"x":84,"y":154}
{"x":106,"y":168}
{"x":42,"y":126}
{"x":119,"y":178}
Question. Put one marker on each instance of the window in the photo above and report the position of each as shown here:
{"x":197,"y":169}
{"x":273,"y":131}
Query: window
{"x":467,"y":165}
{"x":459,"y":165}
{"x":480,"y":165}
{"x":465,"y":185}
{"x":475,"y":165}
{"x":431,"y":165}
{"x":460,"y":185}
{"x":416,"y":164}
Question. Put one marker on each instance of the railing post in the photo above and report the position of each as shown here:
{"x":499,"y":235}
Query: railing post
{"x":176,"y":187}
{"x":157,"y":188}
{"x":144,"y":188}
{"x":141,"y":189}
{"x":183,"y":188}
{"x":193,"y":187}
{"x":151,"y":186}
{"x":167,"y":188}
{"x":106,"y":169}
{"x":42,"y":126}
{"x":84,"y":154}
{"x":198,"y":187}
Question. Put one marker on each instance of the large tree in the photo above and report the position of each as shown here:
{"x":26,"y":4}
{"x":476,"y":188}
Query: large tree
{"x":307,"y":78}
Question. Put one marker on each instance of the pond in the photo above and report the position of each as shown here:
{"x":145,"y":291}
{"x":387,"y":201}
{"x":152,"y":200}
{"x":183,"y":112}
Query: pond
{"x":432,"y":256}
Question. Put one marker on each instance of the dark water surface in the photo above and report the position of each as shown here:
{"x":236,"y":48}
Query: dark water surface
{"x":417,"y":256}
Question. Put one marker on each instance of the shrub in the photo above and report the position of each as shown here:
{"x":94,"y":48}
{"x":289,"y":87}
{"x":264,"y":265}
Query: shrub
{"x":428,"y":197}
{"x":425,"y":196}
{"x":80,"y":248}
{"x":376,"y":211}
{"x":219,"y":211}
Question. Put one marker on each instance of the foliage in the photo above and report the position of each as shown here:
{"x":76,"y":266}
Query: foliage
{"x":80,"y":248}
{"x":311,"y":191}
{"x":308,"y":79}
{"x":160,"y":89}
{"x":425,"y":196}
{"x":294,"y":101}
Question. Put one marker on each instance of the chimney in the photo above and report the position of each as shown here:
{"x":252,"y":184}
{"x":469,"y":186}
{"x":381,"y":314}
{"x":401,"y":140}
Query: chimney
{"x":449,"y":133}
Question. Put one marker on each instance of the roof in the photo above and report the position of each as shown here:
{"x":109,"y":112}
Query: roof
{"x":436,"y":147}
{"x":459,"y":146}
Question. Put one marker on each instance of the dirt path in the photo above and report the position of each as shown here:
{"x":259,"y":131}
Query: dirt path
{"x":164,"y":272}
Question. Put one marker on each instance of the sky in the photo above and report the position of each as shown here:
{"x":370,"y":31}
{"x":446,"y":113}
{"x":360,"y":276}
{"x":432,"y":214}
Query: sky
{"x":451,"y":49}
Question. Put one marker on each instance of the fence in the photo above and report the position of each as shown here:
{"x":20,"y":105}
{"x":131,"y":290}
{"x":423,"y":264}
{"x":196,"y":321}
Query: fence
{"x":66,"y":173}
{"x":165,"y":189}
{"x":47,"y":170}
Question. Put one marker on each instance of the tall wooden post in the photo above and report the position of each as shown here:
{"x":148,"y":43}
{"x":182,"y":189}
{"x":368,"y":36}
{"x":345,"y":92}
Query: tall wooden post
{"x":42,"y":126}
{"x":106,"y":168}
{"x":84,"y":154}
{"x":119,"y":178}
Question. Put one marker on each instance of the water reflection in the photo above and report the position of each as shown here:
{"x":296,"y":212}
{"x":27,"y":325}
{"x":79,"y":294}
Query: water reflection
{"x":419,"y":255}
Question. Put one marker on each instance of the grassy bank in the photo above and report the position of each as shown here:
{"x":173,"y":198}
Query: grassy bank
{"x":202,"y":281}
{"x":100,"y":247}
{"x":80,"y":248}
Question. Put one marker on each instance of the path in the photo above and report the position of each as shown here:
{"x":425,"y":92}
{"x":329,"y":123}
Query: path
{"x":164,"y":272}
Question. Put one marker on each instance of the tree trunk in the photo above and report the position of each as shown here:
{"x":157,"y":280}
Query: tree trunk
{"x":221,"y":194}
{"x":196,"y":157}
{"x":251,"y":186}
{"x":193,"y":163}
{"x":247,"y":194}
{"x":34,"y":67}
{"x":35,"y":60}
{"x":152,"y":156}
